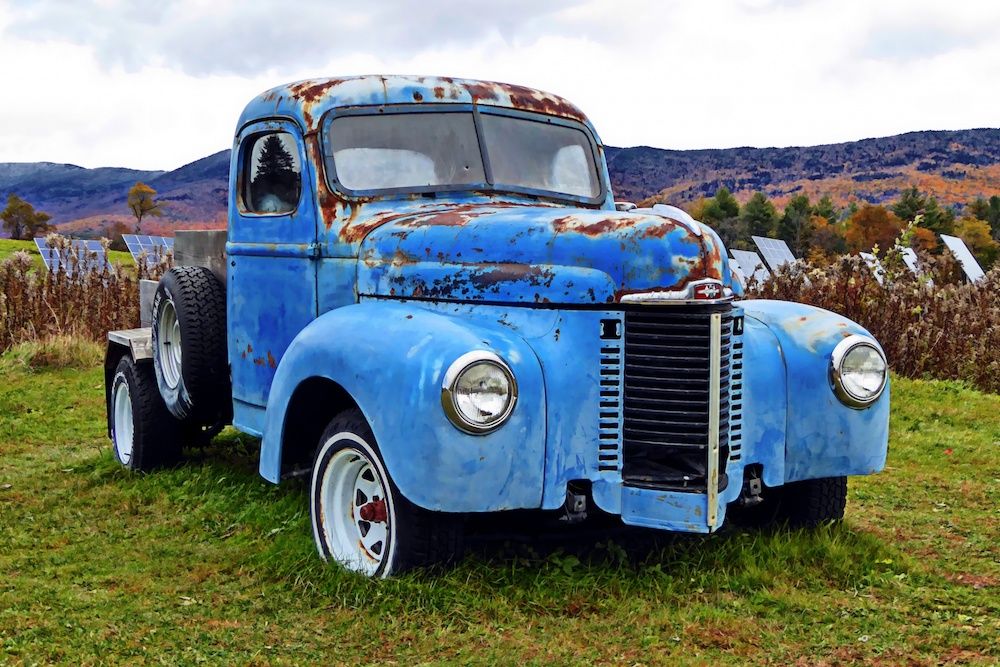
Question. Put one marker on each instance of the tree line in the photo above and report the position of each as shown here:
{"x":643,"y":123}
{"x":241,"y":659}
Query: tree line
{"x":820,"y":231}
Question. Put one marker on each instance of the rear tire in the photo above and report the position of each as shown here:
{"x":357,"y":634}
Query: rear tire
{"x":359,"y":518}
{"x":144,"y":436}
{"x":189,"y":346}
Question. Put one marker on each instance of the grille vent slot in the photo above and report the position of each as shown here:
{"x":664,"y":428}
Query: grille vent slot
{"x":610,"y":407}
{"x":736,"y":400}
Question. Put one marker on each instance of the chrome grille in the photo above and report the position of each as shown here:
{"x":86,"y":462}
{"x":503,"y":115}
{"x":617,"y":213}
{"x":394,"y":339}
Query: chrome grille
{"x":668,"y":397}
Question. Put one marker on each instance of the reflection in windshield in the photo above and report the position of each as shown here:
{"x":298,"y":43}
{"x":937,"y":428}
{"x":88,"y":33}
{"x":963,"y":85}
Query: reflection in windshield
{"x":440,"y":150}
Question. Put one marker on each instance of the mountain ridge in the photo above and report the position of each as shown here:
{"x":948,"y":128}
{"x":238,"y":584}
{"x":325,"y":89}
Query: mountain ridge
{"x":956,"y":166}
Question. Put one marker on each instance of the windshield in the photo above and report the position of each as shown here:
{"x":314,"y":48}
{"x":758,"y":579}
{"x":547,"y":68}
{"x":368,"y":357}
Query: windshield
{"x":441,"y":151}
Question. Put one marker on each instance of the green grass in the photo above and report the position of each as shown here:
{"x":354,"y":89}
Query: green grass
{"x":209,"y":563}
{"x":8,"y":247}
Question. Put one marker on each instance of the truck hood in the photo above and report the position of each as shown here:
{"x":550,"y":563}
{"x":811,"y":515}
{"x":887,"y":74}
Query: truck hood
{"x":511,"y":253}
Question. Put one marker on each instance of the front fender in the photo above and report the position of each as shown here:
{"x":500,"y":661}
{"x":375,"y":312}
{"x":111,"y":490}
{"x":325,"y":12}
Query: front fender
{"x":391,"y":358}
{"x":823,"y":437}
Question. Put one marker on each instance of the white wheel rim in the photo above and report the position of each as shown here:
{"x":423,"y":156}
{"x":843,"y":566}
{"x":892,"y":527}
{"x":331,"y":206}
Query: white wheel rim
{"x":168,"y":344}
{"x":354,"y":512}
{"x":123,"y":423}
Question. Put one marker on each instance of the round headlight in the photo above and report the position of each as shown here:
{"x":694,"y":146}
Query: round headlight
{"x":479,"y":392}
{"x":858,"y":371}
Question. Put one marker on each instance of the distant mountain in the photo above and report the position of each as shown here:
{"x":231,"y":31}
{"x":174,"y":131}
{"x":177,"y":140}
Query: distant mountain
{"x":82,"y":200}
{"x":954,"y":166}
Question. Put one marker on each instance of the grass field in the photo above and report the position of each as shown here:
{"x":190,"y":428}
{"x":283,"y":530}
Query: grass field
{"x":208,"y":563}
{"x":8,"y":247}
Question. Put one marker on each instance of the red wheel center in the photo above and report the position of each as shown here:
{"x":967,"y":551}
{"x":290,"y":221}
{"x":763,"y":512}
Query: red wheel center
{"x":374,"y":511}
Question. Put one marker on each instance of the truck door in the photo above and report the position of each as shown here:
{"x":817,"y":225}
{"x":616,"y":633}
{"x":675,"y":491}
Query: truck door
{"x":272,"y":270}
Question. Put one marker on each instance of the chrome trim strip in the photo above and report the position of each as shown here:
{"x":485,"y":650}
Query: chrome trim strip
{"x":714,"y":391}
{"x":451,"y":376}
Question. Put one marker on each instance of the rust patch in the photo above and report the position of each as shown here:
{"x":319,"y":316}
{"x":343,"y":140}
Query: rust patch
{"x":482,"y":91}
{"x":571,"y":223}
{"x":439,"y":92}
{"x":417,"y":97}
{"x":271,"y":361}
{"x":532,"y":275}
{"x":530,"y":99}
{"x":259,"y":361}
{"x":374,"y":511}
{"x":310,"y":92}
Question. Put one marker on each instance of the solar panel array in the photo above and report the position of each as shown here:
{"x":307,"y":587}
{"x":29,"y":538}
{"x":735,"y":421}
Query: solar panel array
{"x":137,"y":245}
{"x":82,"y":257}
{"x":961,"y":252}
{"x":751,"y":265}
{"x":774,"y":251}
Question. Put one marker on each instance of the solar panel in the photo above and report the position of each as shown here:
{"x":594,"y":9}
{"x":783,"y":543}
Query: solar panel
{"x":774,"y":251}
{"x":961,"y":252}
{"x":876,"y":266}
{"x":910,"y":259}
{"x":152,"y":246}
{"x":83,"y":256}
{"x":752,"y":265}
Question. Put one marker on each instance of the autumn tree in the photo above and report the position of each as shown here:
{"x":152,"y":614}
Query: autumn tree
{"x":142,"y":202}
{"x":872,"y":225}
{"x":828,"y":237}
{"x":795,"y":226}
{"x":22,"y":221}
{"x":759,"y":215}
{"x":977,"y":236}
{"x":988,"y":212}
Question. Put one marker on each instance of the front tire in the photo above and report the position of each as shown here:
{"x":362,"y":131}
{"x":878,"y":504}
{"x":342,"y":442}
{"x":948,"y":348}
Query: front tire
{"x":359,"y":518}
{"x":144,"y":436}
{"x":814,"y":501}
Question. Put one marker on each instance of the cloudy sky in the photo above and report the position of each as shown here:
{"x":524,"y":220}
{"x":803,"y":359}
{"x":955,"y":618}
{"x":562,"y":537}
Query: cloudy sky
{"x":155,"y":85}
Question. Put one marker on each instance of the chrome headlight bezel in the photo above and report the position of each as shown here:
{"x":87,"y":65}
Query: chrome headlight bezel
{"x":840,"y":353}
{"x":449,"y":400}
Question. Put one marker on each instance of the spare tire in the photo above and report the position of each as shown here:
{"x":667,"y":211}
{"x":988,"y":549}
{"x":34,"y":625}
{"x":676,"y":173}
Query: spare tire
{"x":189,"y":345}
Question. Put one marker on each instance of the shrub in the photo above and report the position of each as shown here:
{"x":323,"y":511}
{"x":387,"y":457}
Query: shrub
{"x":933,"y":326}
{"x":37,"y":305}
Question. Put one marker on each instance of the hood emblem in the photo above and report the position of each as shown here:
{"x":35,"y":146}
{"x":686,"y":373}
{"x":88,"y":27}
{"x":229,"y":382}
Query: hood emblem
{"x":698,"y":291}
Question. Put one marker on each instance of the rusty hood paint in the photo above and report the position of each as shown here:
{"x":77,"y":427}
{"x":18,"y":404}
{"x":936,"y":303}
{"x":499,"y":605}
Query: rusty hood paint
{"x":508,"y":253}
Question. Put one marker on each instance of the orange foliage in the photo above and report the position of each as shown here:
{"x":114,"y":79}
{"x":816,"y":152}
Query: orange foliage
{"x":872,"y":225}
{"x":924,"y":239}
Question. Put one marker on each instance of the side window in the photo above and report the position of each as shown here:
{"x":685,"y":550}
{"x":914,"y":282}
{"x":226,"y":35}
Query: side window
{"x":273,"y":176}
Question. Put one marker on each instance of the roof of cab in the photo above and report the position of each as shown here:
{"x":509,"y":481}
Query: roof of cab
{"x":307,"y":101}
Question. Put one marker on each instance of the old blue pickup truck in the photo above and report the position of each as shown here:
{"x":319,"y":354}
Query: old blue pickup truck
{"x":429,"y":301}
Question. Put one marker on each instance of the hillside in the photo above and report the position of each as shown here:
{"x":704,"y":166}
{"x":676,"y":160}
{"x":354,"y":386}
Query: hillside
{"x":954,"y":166}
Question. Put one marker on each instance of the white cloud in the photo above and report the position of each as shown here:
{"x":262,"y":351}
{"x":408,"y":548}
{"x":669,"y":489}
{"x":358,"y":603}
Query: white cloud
{"x":108,"y":83}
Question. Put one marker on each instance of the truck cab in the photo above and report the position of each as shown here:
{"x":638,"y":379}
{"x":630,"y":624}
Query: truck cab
{"x":429,"y":301}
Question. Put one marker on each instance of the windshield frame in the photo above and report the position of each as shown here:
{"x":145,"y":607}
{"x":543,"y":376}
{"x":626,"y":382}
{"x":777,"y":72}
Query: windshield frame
{"x":488,"y":186}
